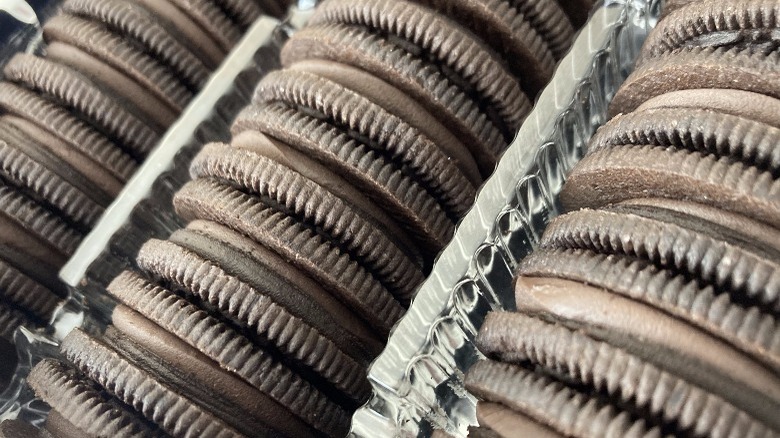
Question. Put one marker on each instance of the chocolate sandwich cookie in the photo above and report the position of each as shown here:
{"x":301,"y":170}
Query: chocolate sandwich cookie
{"x":161,"y":85}
{"x":316,"y":197}
{"x":389,"y":187}
{"x":628,"y":172}
{"x":506,"y":30}
{"x":648,"y":388}
{"x":354,"y":336}
{"x":703,"y":130}
{"x":279,"y":396}
{"x":694,"y":355}
{"x":748,"y":328}
{"x":263,"y":318}
{"x":46,"y":188}
{"x":681,"y":240}
{"x":472,"y":60}
{"x":81,"y":138}
{"x":93,"y":103}
{"x":744,"y":24}
{"x":752,"y":106}
{"x":411,"y":150}
{"x":421,"y":80}
{"x":34,"y":240}
{"x":21,"y":291}
{"x":726,"y":68}
{"x":318,"y":258}
{"x":496,"y":420}
{"x":567,"y":411}
{"x":132,"y":21}
{"x":182,"y":25}
{"x":81,"y":407}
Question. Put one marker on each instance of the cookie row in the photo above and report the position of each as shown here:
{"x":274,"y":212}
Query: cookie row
{"x":308,"y":234}
{"x":651,"y":308}
{"x":76,"y":122}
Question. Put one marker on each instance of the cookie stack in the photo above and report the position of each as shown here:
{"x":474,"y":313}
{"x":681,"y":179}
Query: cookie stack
{"x":310,"y":231}
{"x":75,"y":124}
{"x":652,"y":307}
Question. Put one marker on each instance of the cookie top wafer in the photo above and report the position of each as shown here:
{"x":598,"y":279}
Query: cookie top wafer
{"x":549,"y":402}
{"x":616,"y":174}
{"x":367,"y":169}
{"x":699,"y":68}
{"x":697,"y":130}
{"x":654,"y":336}
{"x":75,"y":91}
{"x":109,"y":47}
{"x":751,"y":106}
{"x":414,"y":75}
{"x":713,"y":255}
{"x":627,"y":380}
{"x":749,"y":24}
{"x":133,"y":21}
{"x":473,"y":60}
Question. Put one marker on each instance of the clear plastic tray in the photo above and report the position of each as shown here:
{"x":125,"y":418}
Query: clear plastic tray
{"x":418,"y":378}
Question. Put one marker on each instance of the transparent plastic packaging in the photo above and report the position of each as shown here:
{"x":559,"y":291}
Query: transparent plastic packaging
{"x":418,"y":378}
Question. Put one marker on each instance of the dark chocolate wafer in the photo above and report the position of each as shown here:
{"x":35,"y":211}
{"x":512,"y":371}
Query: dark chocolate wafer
{"x":45,"y":186}
{"x":750,"y":329}
{"x":751,"y":273}
{"x":181,"y":25}
{"x":409,"y":148}
{"x":509,"y":33}
{"x":699,"y":68}
{"x":281,"y":188}
{"x":367,"y":169}
{"x":422,"y":30}
{"x":84,"y":404}
{"x":627,"y":379}
{"x":697,"y":130}
{"x":553,"y":404}
{"x":657,"y":337}
{"x":753,"y":106}
{"x":616,"y":174}
{"x":20,"y":102}
{"x":23,"y":292}
{"x":75,"y":91}
{"x":398,"y":104}
{"x":55,"y":156}
{"x":716,"y":23}
{"x":504,"y":422}
{"x":480,"y":129}
{"x":213,"y":20}
{"x":317,"y":257}
{"x":141,"y":380}
{"x":49,"y":237}
{"x":267,"y":319}
{"x":98,"y":41}
{"x":134,"y":22}
{"x":267,"y":272}
{"x":277,"y":394}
